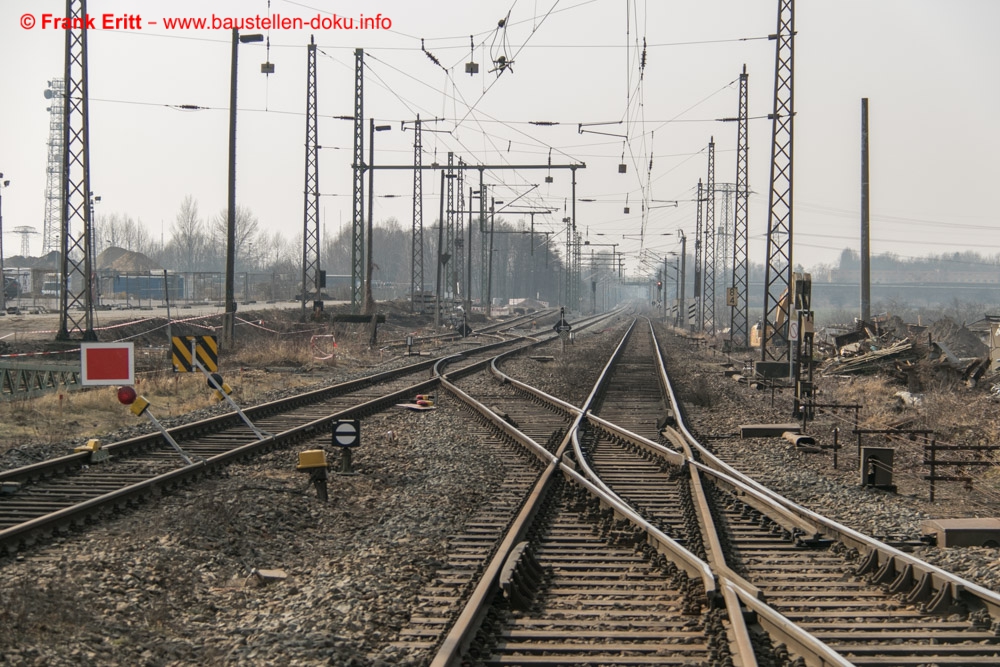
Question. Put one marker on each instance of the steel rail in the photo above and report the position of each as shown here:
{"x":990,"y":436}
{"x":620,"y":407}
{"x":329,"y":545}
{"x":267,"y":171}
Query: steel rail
{"x":880,"y":554}
{"x":23,"y":532}
{"x":462,"y":633}
{"x":182,"y":432}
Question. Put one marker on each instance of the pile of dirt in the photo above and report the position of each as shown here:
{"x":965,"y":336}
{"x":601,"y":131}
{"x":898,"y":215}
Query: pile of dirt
{"x":126,"y":261}
{"x":958,"y":338}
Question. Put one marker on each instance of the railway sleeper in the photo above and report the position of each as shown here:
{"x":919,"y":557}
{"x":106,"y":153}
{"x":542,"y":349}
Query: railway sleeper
{"x":940,"y":601}
{"x":521,"y":577}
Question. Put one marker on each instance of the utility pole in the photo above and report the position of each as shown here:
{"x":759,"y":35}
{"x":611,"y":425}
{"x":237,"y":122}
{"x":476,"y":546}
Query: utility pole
{"x":737,"y":297}
{"x":229,"y":319}
{"x":697,"y":257}
{"x":417,"y":245}
{"x":75,"y":293}
{"x":681,"y":307}
{"x":483,"y":248}
{"x":778,"y":269}
{"x":708,"y":295}
{"x":449,"y":230}
{"x":866,"y":267}
{"x":358,"y":192}
{"x":311,"y":275}
{"x":417,"y":251}
{"x":489,"y":270}
{"x":468,"y":266}
{"x":723,"y":233}
{"x":458,"y":275}
{"x":576,"y":254}
{"x":369,"y":246}
{"x":24,"y":238}
{"x":440,"y":258}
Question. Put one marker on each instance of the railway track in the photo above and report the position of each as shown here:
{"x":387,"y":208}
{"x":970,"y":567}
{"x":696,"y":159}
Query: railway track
{"x":616,"y":540}
{"x":577,"y":577}
{"x":45,"y":498}
{"x":51,"y":495}
{"x":810,"y":588}
{"x":869,"y":603}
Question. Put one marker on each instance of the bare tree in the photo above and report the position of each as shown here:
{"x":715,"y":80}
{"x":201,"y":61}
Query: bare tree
{"x":247,"y":233}
{"x":188,"y":241}
{"x":121,"y":231}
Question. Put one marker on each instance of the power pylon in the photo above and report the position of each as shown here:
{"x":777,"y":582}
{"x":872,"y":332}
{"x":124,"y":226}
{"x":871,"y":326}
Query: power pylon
{"x":25,"y":233}
{"x":358,"y":192}
{"x":76,"y":306}
{"x":737,"y":297}
{"x":311,"y":282}
{"x":52,"y":226}
{"x":778,"y":270}
{"x":708,"y":296}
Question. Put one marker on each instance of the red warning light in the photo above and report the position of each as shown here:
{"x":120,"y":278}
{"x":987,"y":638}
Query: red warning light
{"x":126,"y":395}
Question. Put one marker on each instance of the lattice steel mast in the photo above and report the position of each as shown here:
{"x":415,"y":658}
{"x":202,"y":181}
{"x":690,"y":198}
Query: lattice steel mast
{"x":708,"y":300}
{"x":76,"y":307}
{"x":778,"y":270}
{"x":459,"y":258}
{"x":723,"y":233}
{"x":311,"y":283}
{"x":52,"y":226}
{"x":483,"y":240}
{"x":448,"y":253}
{"x":417,"y":249}
{"x":737,"y":297}
{"x":698,"y":311}
{"x":358,"y":192}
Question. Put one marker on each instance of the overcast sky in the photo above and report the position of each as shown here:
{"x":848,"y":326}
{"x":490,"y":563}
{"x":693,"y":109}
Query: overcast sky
{"x":928,"y":68}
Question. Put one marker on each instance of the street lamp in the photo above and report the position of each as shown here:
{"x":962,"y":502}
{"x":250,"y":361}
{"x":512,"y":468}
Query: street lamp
{"x":3,"y":277}
{"x":229,"y":319}
{"x":369,"y":299}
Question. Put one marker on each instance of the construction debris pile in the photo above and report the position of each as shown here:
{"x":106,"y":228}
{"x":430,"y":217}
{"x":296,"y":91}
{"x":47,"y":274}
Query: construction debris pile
{"x":893,"y":346}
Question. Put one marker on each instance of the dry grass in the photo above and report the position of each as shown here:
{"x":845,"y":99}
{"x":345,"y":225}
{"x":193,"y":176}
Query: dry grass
{"x":55,"y":418}
{"x":284,"y":352}
{"x":957,"y":415}
{"x":874,"y":394}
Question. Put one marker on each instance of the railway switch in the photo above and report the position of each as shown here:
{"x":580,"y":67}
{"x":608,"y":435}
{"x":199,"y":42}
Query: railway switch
{"x":314,"y":462}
